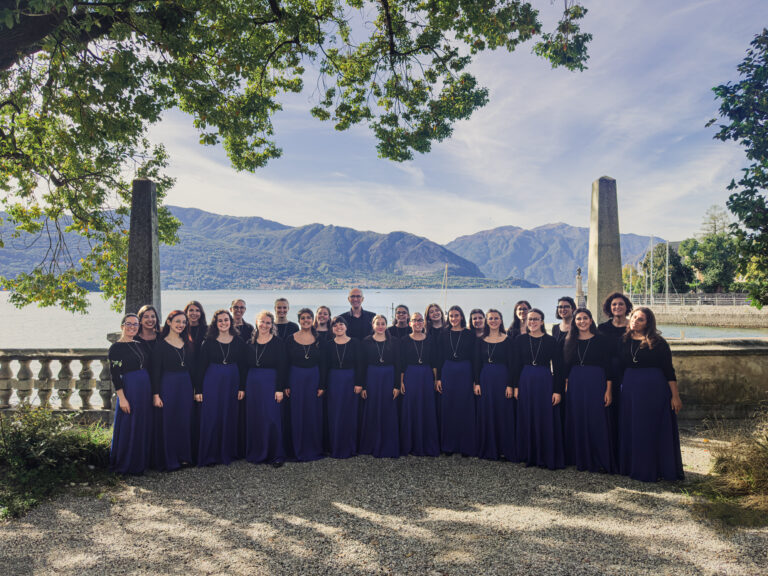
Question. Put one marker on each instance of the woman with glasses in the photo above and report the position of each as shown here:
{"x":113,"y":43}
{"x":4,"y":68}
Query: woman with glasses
{"x":400,"y":326}
{"x":649,"y":441}
{"x":565,"y":307}
{"x":244,"y":330}
{"x":539,"y":389}
{"x":132,"y":431}
{"x":455,"y":378}
{"x":518,"y":320}
{"x":418,"y":419}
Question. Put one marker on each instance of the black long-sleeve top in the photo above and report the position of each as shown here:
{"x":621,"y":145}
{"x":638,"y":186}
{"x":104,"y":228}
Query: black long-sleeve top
{"x":455,"y":346}
{"x":287,"y":330}
{"x":385,"y":353}
{"x":197,"y":333}
{"x":660,"y":356}
{"x":245,"y":331}
{"x":559,"y":335}
{"x":417,"y":352}
{"x":168,"y":358}
{"x":347,"y":356}
{"x":270,"y":355}
{"x":526,"y":349}
{"x":399,"y":331}
{"x":434,"y":333}
{"x":150,"y":344}
{"x":127,"y":357}
{"x":214,"y":352}
{"x":359,"y":327}
{"x":614,"y":333}
{"x":596,"y":351}
{"x":307,"y":356}
{"x":495,"y":353}
{"x":326,"y":335}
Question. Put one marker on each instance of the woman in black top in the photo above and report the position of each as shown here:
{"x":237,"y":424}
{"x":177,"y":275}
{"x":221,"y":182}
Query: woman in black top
{"x":264,"y":385}
{"x":477,"y":322}
{"x":494,"y":369}
{"x":400,"y":326}
{"x":649,"y":442}
{"x":305,"y":387}
{"x":565,"y":308}
{"x":196,"y":323}
{"x":455,"y":376}
{"x":538,"y":389}
{"x":588,"y":435}
{"x":518,"y":319}
{"x":220,"y":385}
{"x":379,"y":434}
{"x":322,"y":323}
{"x":419,"y":433}
{"x":132,"y":431}
{"x":148,"y":326}
{"x":173,"y":363}
{"x":346,"y":374}
{"x":435,"y":320}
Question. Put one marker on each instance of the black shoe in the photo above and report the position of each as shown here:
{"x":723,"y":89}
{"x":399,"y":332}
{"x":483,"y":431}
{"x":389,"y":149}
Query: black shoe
{"x":277,"y":464}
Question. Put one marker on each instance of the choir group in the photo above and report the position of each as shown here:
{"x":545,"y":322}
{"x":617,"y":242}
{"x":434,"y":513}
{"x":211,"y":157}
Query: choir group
{"x":602,"y":398}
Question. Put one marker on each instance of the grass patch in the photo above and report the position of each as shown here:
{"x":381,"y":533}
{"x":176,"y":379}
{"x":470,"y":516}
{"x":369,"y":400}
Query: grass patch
{"x":41,"y":452}
{"x":736,"y":493}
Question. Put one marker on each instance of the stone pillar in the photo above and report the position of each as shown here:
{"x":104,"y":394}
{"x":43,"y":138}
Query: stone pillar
{"x":581,"y":299}
{"x":604,"y":266}
{"x":143,"y":281}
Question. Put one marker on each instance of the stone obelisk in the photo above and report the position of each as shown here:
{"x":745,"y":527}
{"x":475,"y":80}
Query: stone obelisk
{"x":604,"y":266}
{"x":143,"y":280}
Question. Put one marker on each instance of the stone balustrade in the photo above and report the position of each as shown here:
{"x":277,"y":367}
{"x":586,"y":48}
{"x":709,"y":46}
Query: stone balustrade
{"x":51,"y":377}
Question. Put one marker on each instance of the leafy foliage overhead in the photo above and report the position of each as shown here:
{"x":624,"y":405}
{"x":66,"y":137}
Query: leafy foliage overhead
{"x":744,"y":108}
{"x":81,"y":81}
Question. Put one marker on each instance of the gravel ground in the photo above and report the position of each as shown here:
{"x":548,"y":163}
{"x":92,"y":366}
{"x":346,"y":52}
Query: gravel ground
{"x":449,"y":515}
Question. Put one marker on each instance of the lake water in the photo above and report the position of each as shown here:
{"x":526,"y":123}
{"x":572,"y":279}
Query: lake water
{"x":56,"y":328}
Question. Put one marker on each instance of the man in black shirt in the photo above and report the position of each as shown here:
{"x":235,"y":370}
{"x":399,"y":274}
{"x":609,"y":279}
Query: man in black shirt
{"x":237,"y":309}
{"x":359,"y":321}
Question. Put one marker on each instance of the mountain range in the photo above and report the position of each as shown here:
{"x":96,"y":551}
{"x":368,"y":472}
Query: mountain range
{"x":216,"y":251}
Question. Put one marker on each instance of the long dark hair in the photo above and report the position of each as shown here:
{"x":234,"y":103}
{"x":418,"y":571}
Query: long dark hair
{"x":540,"y":313}
{"x":394,"y":317}
{"x":143,"y":310}
{"x":458,"y":309}
{"x":185,"y":335}
{"x":428,"y":321}
{"x":572,"y":339}
{"x":515,"y":330}
{"x":651,"y":336}
{"x":312,"y":326}
{"x":501,"y":317}
{"x":472,"y":326}
{"x":255,"y":333}
{"x":570,"y":301}
{"x":202,"y":322}
{"x":213,"y":329}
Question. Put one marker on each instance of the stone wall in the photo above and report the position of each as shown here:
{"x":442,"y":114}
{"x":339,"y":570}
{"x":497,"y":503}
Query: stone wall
{"x":725,"y":378}
{"x":718,"y":316}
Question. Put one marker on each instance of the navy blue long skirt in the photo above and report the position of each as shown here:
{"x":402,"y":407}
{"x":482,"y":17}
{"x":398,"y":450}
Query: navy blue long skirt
{"x":175,"y":423}
{"x":342,"y":413}
{"x":458,"y":422}
{"x":306,"y":413}
{"x":418,"y":418}
{"x":219,"y":414}
{"x":649,"y":438}
{"x":132,"y":433}
{"x":379,"y":435}
{"x":496,"y":415}
{"x":264,"y":427}
{"x":539,"y":429}
{"x":588,"y":431}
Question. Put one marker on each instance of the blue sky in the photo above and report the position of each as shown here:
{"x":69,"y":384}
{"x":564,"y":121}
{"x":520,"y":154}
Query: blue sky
{"x":528,"y":158}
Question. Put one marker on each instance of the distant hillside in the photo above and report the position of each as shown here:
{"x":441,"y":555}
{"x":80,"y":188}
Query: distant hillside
{"x":547,"y":255}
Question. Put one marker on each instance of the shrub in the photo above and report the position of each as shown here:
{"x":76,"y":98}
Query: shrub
{"x":41,"y":451}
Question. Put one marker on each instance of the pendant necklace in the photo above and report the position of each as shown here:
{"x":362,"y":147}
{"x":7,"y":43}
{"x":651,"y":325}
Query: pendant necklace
{"x":260,"y":356}
{"x":181,"y":356}
{"x":530,"y":343}
{"x":419,"y":353}
{"x":633,"y":351}
{"x":137,"y":352}
{"x":306,"y":351}
{"x":225,"y":356}
{"x":578,"y":351}
{"x":491,"y":350}
{"x":381,"y":351}
{"x":343,"y":353}
{"x":455,"y":349}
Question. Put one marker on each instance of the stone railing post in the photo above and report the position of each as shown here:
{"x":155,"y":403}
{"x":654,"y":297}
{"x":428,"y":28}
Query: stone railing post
{"x":65,"y":384}
{"x":85,"y":383}
{"x":24,"y":381}
{"x":6,"y":383}
{"x":45,"y":381}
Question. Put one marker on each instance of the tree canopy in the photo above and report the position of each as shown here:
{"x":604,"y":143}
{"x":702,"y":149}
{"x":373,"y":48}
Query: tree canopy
{"x":744,"y":108}
{"x":81,"y":81}
{"x":714,"y":254}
